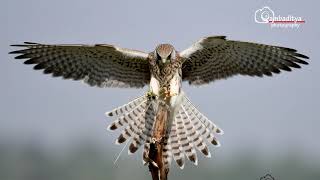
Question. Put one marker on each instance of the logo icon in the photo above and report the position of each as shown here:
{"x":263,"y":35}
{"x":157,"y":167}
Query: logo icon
{"x":267,"y":16}
{"x":264,"y":15}
{"x":267,"y":177}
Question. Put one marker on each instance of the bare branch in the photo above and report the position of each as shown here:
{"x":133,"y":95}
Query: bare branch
{"x":157,"y":168}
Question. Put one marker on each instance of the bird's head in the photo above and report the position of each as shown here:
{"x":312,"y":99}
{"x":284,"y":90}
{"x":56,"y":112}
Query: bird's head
{"x":164,"y":53}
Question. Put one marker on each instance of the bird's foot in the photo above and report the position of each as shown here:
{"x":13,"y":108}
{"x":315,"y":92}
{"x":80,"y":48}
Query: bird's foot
{"x":167,"y":95}
{"x":151,"y":95}
{"x":165,"y":92}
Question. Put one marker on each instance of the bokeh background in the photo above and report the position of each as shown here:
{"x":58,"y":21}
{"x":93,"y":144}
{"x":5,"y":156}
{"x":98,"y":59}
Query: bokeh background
{"x":56,"y":129}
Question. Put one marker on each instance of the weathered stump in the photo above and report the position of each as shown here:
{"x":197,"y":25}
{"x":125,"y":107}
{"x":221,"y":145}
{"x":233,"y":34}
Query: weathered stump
{"x":159,"y":172}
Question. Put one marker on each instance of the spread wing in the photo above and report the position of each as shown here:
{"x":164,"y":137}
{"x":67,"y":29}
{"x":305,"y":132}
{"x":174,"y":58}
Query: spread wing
{"x":98,"y":65}
{"x":214,"y":58}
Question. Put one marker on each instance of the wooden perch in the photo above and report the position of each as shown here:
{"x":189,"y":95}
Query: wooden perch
{"x":157,"y":167}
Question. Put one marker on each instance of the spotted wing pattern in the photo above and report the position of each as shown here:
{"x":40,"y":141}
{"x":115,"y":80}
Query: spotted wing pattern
{"x":98,"y":65}
{"x":214,"y":58}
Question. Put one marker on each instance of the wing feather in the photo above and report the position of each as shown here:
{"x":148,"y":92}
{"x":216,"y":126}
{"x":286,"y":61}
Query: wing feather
{"x":214,"y":58}
{"x":98,"y":65}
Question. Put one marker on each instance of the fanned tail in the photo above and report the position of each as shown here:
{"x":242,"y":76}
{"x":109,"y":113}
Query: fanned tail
{"x":167,"y":152}
{"x":190,"y":130}
{"x":137,"y":118}
{"x":149,"y":121}
{"x":175,"y":143}
{"x":128,"y":112}
{"x":208,"y":128}
{"x":145,"y":128}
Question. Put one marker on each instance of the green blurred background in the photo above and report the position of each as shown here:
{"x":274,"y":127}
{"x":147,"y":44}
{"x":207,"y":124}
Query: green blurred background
{"x":88,"y":161}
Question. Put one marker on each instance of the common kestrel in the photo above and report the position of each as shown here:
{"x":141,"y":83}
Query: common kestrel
{"x":164,"y":69}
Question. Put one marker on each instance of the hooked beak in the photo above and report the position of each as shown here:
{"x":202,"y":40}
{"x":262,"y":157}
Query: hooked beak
{"x":163,"y":61}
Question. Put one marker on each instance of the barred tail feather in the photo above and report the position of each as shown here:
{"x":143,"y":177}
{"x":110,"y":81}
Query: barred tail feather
{"x":209,"y":124}
{"x":208,"y":128}
{"x":135,"y":128}
{"x":126,"y":107}
{"x":175,"y":143}
{"x":197,"y":129}
{"x":167,"y":153}
{"x":148,"y":129}
{"x":190,"y":150}
{"x":190,"y":130}
{"x":145,"y":128}
{"x":139,"y":137}
{"x":185,"y":145}
{"x":137,"y":117}
{"x":127,"y":113}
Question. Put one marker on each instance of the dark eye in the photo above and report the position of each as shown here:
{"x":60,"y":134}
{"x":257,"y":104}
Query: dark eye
{"x":158,"y":57}
{"x":169,"y":57}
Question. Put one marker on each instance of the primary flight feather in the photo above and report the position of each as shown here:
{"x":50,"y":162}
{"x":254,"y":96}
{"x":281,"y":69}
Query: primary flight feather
{"x":164,"y":69}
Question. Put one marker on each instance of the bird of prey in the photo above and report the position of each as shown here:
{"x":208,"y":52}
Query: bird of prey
{"x":164,"y":70}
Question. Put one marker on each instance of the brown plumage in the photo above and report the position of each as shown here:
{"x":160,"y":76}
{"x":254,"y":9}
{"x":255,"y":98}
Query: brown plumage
{"x":164,"y":69}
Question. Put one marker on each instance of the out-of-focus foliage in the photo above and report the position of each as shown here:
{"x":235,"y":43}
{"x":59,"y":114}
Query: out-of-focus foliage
{"x":87,"y":161}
